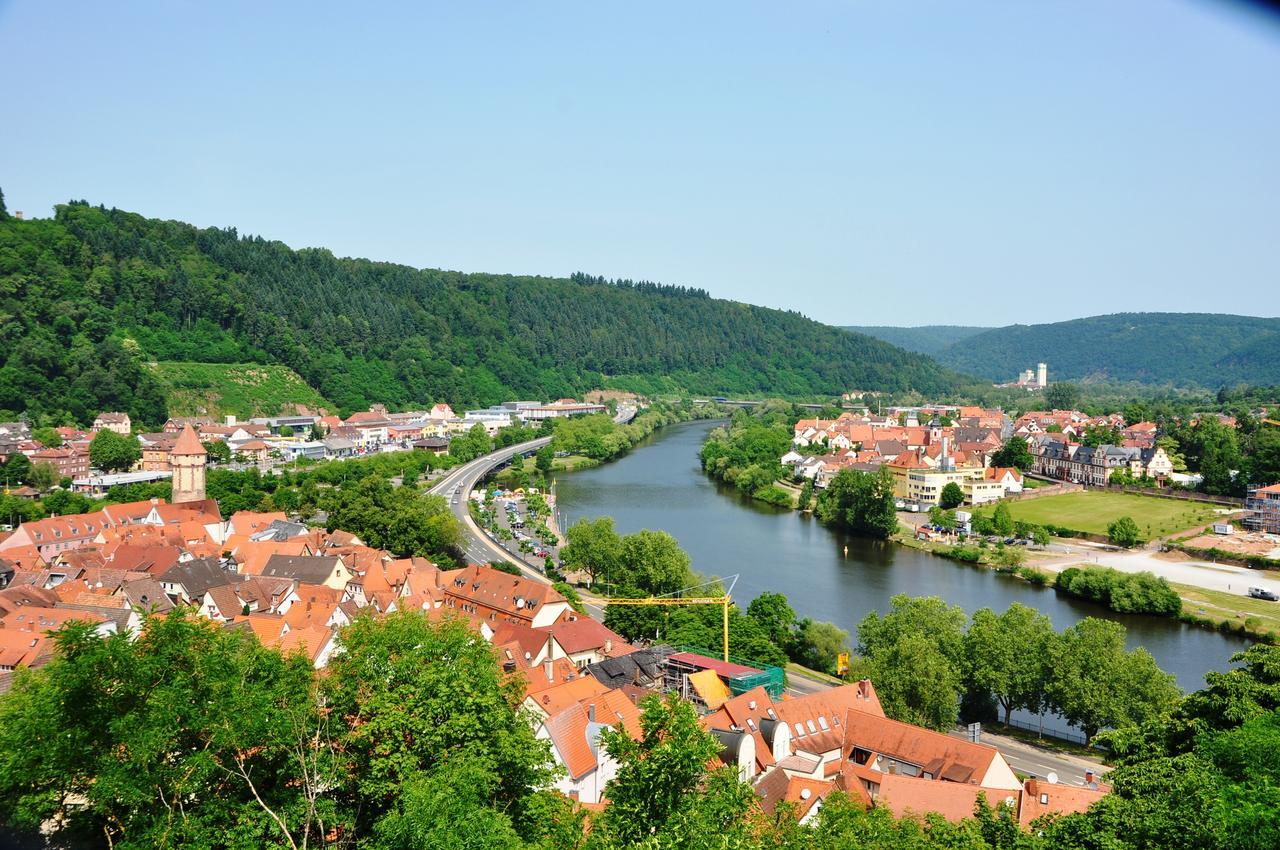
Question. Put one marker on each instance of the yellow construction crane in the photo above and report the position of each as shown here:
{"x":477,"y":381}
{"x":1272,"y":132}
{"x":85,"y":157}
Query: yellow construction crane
{"x":671,"y":599}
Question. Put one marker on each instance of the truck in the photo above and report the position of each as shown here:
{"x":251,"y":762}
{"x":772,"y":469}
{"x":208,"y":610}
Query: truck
{"x":1264,"y":593}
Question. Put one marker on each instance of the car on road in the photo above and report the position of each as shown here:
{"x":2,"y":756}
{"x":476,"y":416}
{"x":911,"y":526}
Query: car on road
{"x":1264,"y":593}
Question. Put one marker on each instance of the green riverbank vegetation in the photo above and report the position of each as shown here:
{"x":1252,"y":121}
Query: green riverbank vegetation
{"x":651,"y":563}
{"x":931,"y":664}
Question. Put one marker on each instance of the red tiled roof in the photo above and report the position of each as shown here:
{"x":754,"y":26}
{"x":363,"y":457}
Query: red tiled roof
{"x":188,"y":443}
{"x":568,"y":731}
{"x":951,"y":758}
{"x":1060,"y":799}
{"x":726,"y":669}
{"x":955,"y":801}
{"x":585,"y":634}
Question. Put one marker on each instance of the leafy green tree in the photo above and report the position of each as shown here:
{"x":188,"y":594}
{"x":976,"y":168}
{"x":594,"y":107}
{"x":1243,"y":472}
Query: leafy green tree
{"x":915,"y":681}
{"x":544,"y":459}
{"x":863,"y":502}
{"x":286,"y":430}
{"x":1015,"y":454}
{"x":218,"y":451}
{"x":942,"y":518}
{"x":399,"y":519}
{"x":806,"y":495}
{"x":1124,"y":532}
{"x":450,"y":808}
{"x":952,"y":496}
{"x":1002,"y":520}
{"x":471,"y":445}
{"x":47,"y":437}
{"x":1098,"y":435}
{"x":915,"y":656}
{"x":17,"y":470}
{"x":1095,"y":683}
{"x":1009,"y":556}
{"x":1062,"y":396}
{"x":664,"y":796}
{"x":43,"y":476}
{"x":593,"y":547}
{"x":1264,"y":459}
{"x":1007,"y":656}
{"x":775,"y":617}
{"x":652,"y":561}
{"x":818,"y":645}
{"x":188,"y":737}
{"x":414,"y":695}
{"x":112,"y":452}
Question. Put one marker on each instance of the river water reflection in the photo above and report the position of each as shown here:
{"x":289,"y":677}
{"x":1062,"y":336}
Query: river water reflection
{"x":659,"y":485}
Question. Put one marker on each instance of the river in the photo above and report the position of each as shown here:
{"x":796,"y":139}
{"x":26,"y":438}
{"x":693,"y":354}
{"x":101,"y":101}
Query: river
{"x":660,"y":485}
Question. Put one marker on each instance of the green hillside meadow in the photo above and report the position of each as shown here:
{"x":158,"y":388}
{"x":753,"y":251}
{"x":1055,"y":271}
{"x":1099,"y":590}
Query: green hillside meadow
{"x":242,"y":389}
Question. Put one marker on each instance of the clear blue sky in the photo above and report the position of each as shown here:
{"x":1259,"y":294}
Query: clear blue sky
{"x":863,"y":163}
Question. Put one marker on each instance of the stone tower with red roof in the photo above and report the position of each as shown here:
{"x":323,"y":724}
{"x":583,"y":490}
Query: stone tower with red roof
{"x":187,"y":460}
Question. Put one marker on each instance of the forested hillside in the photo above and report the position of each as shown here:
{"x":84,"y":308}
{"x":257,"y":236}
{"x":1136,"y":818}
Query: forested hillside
{"x":88,"y":297}
{"x":1184,"y":349}
{"x":925,"y":339}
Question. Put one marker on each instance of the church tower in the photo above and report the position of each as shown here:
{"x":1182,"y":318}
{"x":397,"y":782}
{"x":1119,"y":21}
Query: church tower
{"x":187,"y":459}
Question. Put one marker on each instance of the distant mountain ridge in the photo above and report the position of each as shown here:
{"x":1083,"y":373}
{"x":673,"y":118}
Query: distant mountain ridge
{"x":1206,"y":350}
{"x":925,"y":339}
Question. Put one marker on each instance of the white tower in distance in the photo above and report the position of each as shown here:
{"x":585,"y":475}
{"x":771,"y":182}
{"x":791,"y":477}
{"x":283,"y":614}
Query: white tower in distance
{"x":1042,"y":375}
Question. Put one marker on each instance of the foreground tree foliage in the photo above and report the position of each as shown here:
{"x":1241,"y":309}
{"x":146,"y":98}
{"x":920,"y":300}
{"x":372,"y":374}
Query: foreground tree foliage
{"x":193,"y":736}
{"x":196,"y":736}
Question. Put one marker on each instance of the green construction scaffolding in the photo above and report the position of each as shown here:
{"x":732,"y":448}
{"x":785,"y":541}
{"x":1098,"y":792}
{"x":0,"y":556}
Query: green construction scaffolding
{"x":772,"y":679}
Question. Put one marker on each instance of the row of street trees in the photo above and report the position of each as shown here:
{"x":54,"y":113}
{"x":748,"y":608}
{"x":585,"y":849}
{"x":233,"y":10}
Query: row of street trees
{"x":927,"y":660}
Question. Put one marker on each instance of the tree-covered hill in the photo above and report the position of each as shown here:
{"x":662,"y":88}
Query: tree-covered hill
{"x":89,"y":296}
{"x":1183,"y":349}
{"x":924,"y":339}
{"x":1206,"y":350}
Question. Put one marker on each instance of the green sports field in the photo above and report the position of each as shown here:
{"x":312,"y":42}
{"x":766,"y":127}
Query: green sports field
{"x":1091,"y":511}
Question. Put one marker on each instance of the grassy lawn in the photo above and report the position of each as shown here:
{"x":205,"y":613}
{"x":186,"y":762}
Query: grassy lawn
{"x":1092,"y":511}
{"x":1230,"y":607}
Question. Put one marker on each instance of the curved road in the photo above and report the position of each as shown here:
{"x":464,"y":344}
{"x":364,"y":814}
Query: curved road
{"x":458,"y":484}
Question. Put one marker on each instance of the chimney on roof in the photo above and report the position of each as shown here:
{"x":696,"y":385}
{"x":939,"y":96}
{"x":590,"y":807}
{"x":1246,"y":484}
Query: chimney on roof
{"x":591,"y":712}
{"x":549,"y":668}
{"x":608,"y":646}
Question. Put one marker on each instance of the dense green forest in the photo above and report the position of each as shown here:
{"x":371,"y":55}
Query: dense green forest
{"x":1178,"y":349}
{"x":924,"y":339}
{"x":91,"y":295}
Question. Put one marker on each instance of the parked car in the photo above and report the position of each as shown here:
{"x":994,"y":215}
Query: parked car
{"x":1263,"y":593}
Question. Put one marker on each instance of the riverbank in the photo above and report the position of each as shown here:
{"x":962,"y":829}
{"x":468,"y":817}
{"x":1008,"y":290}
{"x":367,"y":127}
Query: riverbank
{"x":1217,"y":610}
{"x":661,"y":485}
